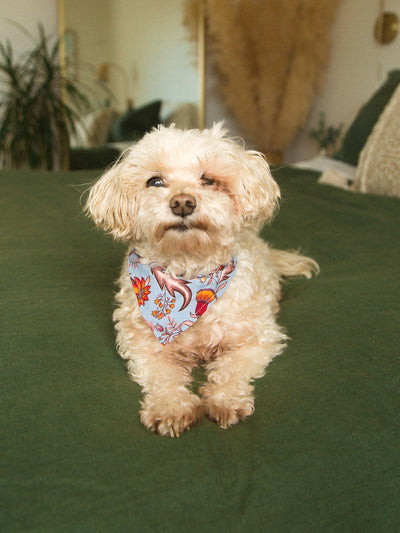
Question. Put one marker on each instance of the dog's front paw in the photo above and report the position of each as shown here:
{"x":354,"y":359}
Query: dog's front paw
{"x":171,"y":418}
{"x":224,"y":409}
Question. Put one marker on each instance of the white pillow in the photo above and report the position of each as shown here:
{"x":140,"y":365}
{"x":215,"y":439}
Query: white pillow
{"x":378,"y":170}
{"x":92,"y":130}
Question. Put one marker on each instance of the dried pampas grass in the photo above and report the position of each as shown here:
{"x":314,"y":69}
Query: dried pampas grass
{"x":192,"y":11}
{"x":310,"y":53}
{"x":235,"y":67}
{"x":269,"y":56}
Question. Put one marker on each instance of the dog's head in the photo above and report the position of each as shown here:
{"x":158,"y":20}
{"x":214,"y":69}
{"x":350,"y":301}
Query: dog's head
{"x":184,"y":191}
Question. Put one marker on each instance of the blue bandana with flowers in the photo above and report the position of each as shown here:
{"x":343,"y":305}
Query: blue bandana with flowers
{"x":170,"y":305}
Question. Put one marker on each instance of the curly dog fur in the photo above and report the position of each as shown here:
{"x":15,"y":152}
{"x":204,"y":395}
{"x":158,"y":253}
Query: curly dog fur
{"x":231,"y":194}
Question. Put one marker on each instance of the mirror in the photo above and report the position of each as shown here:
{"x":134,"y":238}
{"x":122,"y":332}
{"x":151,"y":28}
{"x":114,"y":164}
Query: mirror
{"x":138,"y":51}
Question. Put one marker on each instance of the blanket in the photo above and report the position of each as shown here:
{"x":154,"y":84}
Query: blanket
{"x":320,"y":453}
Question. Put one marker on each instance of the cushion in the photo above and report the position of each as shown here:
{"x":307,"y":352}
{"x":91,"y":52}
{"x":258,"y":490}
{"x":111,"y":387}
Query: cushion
{"x":186,"y":115}
{"x":92,"y":130}
{"x":378,"y":170}
{"x":357,"y":134}
{"x":101,"y":126}
{"x":135,"y":122}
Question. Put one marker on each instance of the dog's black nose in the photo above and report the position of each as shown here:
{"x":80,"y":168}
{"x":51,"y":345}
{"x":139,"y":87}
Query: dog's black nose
{"x":182,"y":205}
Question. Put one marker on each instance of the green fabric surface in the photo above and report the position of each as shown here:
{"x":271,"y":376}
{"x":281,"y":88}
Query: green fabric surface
{"x":92,"y":158}
{"x":320,"y":453}
{"x":361,"y":127}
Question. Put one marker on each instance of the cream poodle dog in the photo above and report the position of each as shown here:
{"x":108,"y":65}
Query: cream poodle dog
{"x":198,"y":285}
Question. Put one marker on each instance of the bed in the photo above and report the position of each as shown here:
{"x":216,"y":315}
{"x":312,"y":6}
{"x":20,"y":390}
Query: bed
{"x":321,"y":452}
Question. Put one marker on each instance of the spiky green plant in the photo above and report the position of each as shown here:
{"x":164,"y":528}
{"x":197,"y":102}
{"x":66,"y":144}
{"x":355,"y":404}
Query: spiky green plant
{"x":39,"y":106}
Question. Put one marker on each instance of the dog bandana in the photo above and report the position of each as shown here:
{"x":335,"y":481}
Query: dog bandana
{"x":171,"y":305}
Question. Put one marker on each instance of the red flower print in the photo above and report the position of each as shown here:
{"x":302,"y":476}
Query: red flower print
{"x":204,"y":297}
{"x":142,"y":289}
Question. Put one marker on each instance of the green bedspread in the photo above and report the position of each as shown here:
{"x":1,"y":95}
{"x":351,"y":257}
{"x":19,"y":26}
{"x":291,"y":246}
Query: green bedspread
{"x":321,"y":452}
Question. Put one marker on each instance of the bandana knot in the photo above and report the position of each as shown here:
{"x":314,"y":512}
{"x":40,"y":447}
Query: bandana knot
{"x":171,"y":305}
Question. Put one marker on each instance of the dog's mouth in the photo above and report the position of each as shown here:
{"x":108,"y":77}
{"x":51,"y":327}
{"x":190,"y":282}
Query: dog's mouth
{"x":182,"y":227}
{"x":178,"y":227}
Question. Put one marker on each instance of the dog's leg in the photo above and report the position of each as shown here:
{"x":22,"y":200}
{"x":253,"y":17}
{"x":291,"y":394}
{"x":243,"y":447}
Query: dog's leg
{"x":168,"y":407}
{"x":228,"y":395}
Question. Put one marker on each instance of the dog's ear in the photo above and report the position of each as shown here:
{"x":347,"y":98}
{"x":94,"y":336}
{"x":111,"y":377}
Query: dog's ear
{"x":109,"y":206}
{"x":259,"y":194}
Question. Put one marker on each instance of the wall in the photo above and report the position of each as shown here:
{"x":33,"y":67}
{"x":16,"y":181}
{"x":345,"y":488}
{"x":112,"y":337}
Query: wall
{"x":358,"y":65}
{"x":28,"y":14}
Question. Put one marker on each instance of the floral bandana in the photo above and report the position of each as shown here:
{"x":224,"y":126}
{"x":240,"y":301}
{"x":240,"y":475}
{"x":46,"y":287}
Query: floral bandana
{"x":171,"y":305}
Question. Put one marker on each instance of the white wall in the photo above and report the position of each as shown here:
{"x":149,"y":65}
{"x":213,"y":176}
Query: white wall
{"x":28,"y":14}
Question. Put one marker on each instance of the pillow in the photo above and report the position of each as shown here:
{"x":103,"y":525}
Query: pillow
{"x":101,"y":125}
{"x":135,"y":122}
{"x":186,"y":115}
{"x":357,"y":134}
{"x":92,"y":129}
{"x":378,"y":170}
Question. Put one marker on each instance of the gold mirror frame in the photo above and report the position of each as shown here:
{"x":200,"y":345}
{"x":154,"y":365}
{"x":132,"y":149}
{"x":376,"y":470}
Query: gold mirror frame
{"x":201,"y":53}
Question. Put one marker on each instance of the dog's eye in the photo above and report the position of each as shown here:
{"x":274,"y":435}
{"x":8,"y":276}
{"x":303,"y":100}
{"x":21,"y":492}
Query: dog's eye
{"x":155,"y":181}
{"x":206,"y":181}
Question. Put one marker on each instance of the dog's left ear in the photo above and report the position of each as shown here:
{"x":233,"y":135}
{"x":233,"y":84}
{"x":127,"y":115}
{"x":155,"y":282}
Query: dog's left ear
{"x":259,"y":194}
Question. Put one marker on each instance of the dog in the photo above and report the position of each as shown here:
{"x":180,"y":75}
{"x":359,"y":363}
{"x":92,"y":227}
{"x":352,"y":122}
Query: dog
{"x":198,"y":285}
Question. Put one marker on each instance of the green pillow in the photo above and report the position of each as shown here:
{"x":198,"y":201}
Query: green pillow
{"x":358,"y":133}
{"x":135,"y":122}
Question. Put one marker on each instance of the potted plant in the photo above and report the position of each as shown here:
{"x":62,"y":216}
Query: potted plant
{"x":39,"y":106}
{"x":325,"y":136}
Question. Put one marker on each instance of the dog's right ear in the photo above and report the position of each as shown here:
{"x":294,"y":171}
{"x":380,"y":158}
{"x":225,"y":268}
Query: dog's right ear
{"x":109,"y":206}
